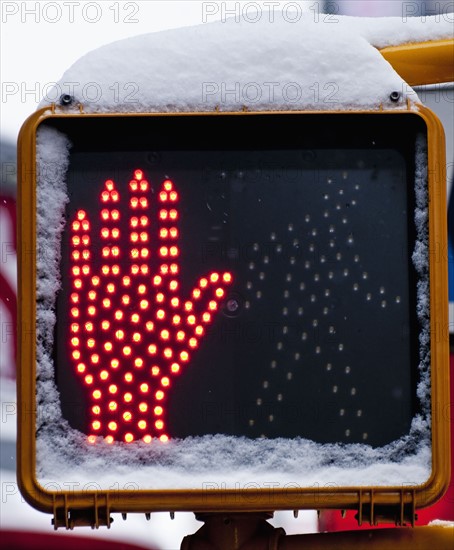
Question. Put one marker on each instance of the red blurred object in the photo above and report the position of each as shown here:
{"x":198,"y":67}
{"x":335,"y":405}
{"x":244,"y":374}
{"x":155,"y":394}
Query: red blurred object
{"x":28,"y":540}
{"x":443,"y":509}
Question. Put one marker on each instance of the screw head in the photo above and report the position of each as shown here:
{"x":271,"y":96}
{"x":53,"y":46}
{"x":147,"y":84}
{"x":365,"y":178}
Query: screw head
{"x":394,"y":96}
{"x":66,"y":99}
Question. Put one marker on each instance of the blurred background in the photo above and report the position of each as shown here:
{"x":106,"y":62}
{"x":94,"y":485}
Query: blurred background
{"x":36,"y":48}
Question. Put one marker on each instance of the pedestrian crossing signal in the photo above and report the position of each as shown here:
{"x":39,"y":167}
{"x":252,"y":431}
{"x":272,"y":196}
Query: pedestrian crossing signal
{"x":261,"y":276}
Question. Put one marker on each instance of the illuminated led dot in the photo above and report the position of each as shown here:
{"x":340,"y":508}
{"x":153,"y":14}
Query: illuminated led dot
{"x":126,"y":281}
{"x":113,"y":388}
{"x":159,"y":424}
{"x":149,"y":326}
{"x":143,"y":221}
{"x":105,"y":325}
{"x":75,"y":341}
{"x":138,"y":362}
{"x":76,"y":255}
{"x":75,"y":327}
{"x":115,"y":363}
{"x":96,"y":409}
{"x":128,"y":377}
{"x":160,"y":314}
{"x":76,"y":240}
{"x":220,"y":292}
{"x":94,"y":359}
{"x":143,"y":407}
{"x":164,"y":438}
{"x":104,"y":375}
{"x":135,"y":269}
{"x":86,"y":240}
{"x":152,"y":349}
{"x":144,"y":253}
{"x":227,"y":277}
{"x":168,"y":353}
{"x":188,"y":306}
{"x":192,"y":342}
{"x":135,"y":253}
{"x":160,"y":297}
{"x":81,"y":215}
{"x":135,"y":317}
{"x":105,"y":196}
{"x":164,"y":233}
{"x":105,"y":214}
{"x":118,"y":315}
{"x":173,"y":269}
{"x":127,"y":350}
{"x":91,"y":439}
{"x":147,"y":439}
{"x":106,"y":303}
{"x":126,"y":300}
{"x":164,"y":251}
{"x":138,"y":174}
{"x":173,"y":196}
{"x":174,"y":251}
{"x":127,"y":397}
{"x":143,"y":202}
{"x":159,"y":395}
{"x":164,"y":269}
{"x":109,"y":439}
{"x":155,"y":371}
{"x":114,"y":196}
{"x":81,"y":368}
{"x":206,"y":317}
{"x":89,"y":379}
{"x":212,"y":305}
{"x":134,"y":202}
{"x":106,"y":252}
{"x":173,"y":232}
{"x":85,"y":269}
{"x":136,"y":337}
{"x":112,"y":426}
{"x":95,"y":281}
{"x":78,"y":283}
{"x":76,"y":226}
{"x":175,"y":368}
{"x":96,"y":425}
{"x":127,"y":416}
{"x":134,"y":222}
{"x":76,"y":271}
{"x":144,"y":269}
{"x":163,"y":196}
{"x":142,"y":289}
{"x":176,"y":320}
{"x":74,"y":312}
{"x":108,"y":346}
{"x":115,"y":269}
{"x":191,"y":320}
{"x":113,"y":406}
{"x":144,"y":387}
{"x":167,"y":185}
{"x":111,"y":288}
{"x":129,"y":438}
{"x":76,"y":355}
{"x":173,"y":214}
{"x":91,"y":343}
{"x":143,"y":304}
{"x":142,"y":424}
{"x":115,"y":215}
{"x":184,"y":356}
{"x":199,"y":330}
{"x":157,"y":280}
{"x":92,"y":295}
{"x":96,"y":394}
{"x":165,"y":381}
{"x":175,"y":302}
{"x":163,"y":214}
{"x":165,"y":334}
{"x":89,"y":327}
{"x":180,"y":336}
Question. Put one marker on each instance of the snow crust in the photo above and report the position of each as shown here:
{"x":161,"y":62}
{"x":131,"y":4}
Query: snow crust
{"x":171,"y":67}
{"x":272,"y":64}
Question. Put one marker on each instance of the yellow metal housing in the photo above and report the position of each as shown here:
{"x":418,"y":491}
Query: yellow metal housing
{"x":72,"y":508}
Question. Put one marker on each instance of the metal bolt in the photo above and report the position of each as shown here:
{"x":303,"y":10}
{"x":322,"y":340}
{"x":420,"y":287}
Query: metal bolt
{"x":66,"y":99}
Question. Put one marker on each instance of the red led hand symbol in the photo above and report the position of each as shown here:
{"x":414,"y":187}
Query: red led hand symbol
{"x":131,"y":333}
